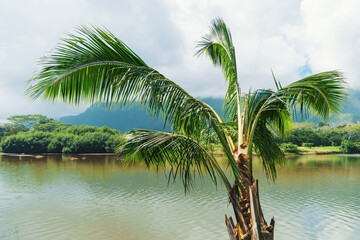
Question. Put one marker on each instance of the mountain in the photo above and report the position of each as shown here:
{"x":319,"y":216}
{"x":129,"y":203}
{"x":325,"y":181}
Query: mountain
{"x":129,"y":118}
{"x":125,"y":119}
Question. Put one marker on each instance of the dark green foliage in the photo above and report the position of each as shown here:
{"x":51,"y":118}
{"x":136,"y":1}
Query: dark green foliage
{"x":50,"y":126}
{"x":38,"y":142}
{"x":105,"y":129}
{"x":56,"y":137}
{"x":80,"y":130}
{"x":61,"y":141}
{"x":112,"y":142}
{"x":91,"y":142}
{"x":270,"y":152}
{"x":15,"y":144}
{"x":304,"y":134}
{"x":27,"y":143}
{"x":290,"y":148}
{"x":348,"y":146}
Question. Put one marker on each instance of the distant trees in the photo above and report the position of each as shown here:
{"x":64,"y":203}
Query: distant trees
{"x":7,"y":129}
{"x":304,"y":135}
{"x":27,"y":143}
{"x":50,"y":126}
{"x":89,"y":142}
{"x":51,"y":136}
{"x":21,"y":123}
{"x":27,"y":121}
{"x":309,"y":135}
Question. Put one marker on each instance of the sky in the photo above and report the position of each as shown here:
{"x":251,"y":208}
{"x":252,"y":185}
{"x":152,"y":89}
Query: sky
{"x":294,"y":38}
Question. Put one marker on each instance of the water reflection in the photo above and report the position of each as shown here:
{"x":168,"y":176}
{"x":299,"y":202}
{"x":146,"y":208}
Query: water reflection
{"x":57,"y":197}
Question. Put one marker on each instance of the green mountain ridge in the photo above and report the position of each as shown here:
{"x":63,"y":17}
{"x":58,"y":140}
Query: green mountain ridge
{"x":127,"y":118}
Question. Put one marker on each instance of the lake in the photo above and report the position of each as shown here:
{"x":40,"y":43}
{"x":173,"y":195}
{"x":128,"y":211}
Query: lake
{"x":314,"y":197}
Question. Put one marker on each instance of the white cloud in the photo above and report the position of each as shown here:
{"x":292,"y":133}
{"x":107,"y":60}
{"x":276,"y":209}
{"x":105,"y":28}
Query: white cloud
{"x":258,"y":30}
{"x":283,"y":35}
{"x":332,"y":36}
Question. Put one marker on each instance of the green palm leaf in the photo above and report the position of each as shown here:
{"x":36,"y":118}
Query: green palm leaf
{"x":83,"y":67}
{"x":322,"y":94}
{"x":219,"y":47}
{"x":184,"y":155}
{"x":97,"y":67}
{"x":268,"y":150}
{"x":267,"y":106}
{"x":264,"y":109}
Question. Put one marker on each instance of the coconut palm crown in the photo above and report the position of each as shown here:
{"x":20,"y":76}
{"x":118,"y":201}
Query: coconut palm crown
{"x":95,"y":66}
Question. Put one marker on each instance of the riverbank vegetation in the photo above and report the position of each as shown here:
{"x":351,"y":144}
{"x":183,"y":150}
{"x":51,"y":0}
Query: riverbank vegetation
{"x":322,"y":138}
{"x":39,"y":134}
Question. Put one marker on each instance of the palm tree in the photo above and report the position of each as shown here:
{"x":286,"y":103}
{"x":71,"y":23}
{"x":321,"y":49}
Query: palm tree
{"x":95,"y":66}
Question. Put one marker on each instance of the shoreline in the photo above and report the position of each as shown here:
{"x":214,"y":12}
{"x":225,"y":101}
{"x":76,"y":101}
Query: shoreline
{"x":300,"y":154}
{"x":76,"y":156}
{"x":41,"y":155}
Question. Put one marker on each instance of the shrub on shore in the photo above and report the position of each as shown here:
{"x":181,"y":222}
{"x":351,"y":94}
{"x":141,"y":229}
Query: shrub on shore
{"x":348,"y":146}
{"x":290,"y":148}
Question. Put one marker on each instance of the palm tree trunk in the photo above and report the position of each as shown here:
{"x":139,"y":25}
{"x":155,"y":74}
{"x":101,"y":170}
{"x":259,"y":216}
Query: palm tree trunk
{"x":244,"y":197}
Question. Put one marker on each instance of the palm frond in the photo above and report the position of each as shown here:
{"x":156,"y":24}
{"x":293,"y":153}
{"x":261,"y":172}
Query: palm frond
{"x":322,"y":94}
{"x":184,"y":155}
{"x":219,"y":47}
{"x":96,"y":66}
{"x":268,"y":150}
{"x":83,"y":67}
{"x":264,"y":105}
{"x":264,"y":109}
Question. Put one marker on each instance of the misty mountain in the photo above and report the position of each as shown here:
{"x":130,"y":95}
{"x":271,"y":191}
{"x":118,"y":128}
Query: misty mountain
{"x":129,"y":118}
{"x":125,"y":119}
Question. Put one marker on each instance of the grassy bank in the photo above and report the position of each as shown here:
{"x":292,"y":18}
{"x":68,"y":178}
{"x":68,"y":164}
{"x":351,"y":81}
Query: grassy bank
{"x":320,"y":150}
{"x":302,"y":150}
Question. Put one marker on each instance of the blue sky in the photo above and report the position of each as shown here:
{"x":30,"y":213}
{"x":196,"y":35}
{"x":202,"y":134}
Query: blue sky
{"x":305,"y":71}
{"x":294,"y":38}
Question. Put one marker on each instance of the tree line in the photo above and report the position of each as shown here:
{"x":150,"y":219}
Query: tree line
{"x":39,"y":134}
{"x":322,"y":134}
{"x":36,"y":133}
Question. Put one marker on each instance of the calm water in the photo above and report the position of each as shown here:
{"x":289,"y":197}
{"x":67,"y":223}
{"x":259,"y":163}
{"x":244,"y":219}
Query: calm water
{"x":315,"y":197}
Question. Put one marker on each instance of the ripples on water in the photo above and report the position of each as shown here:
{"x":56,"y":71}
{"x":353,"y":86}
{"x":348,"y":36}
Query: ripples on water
{"x":315,"y":197}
